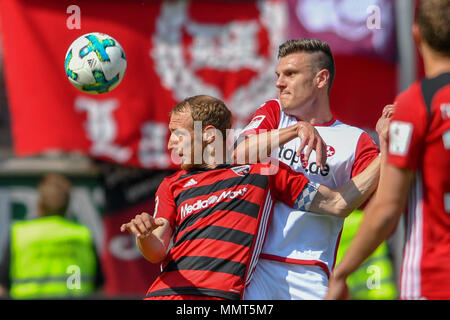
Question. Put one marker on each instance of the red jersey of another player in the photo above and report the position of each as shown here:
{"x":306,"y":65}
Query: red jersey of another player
{"x":419,"y":139}
{"x":219,"y":217}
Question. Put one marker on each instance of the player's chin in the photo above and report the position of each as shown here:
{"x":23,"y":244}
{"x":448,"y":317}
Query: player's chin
{"x":284,"y":105}
{"x":284,"y":100}
{"x":186,"y":165}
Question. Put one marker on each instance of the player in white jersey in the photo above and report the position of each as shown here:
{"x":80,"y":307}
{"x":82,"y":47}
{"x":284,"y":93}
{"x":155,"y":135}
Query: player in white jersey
{"x":300,"y":249}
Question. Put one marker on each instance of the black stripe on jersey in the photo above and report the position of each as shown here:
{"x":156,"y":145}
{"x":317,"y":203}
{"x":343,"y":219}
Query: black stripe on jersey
{"x":204,"y":263}
{"x":200,"y":170}
{"x":236,"y":205}
{"x":218,"y":233}
{"x":431,"y":86}
{"x":195,"y":291}
{"x":257,"y":180}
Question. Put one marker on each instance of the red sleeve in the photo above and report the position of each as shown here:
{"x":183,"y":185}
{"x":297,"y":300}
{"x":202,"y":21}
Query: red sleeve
{"x":366,"y":151}
{"x":267,"y":117}
{"x":407,"y":129}
{"x":164,"y":203}
{"x":286,"y":184}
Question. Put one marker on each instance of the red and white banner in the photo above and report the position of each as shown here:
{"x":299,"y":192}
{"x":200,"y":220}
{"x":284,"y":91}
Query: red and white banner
{"x":174,"y":49}
{"x":363,"y":27}
{"x":361,"y":35}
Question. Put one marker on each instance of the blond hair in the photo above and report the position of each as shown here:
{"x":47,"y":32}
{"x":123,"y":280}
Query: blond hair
{"x":208,"y":110}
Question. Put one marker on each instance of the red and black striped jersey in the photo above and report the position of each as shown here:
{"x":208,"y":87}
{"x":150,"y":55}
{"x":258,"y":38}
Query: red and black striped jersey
{"x":220,"y":217}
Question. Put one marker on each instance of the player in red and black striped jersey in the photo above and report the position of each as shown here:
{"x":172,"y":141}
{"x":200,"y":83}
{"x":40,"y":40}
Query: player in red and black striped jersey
{"x":216,"y":214}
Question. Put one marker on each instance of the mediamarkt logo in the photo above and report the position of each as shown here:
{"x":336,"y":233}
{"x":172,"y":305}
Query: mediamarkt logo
{"x":187,"y":209}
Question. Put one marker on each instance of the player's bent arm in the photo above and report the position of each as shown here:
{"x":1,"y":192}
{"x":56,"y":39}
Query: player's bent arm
{"x":154,"y":245}
{"x":380,"y":218}
{"x":344,"y":199}
{"x":256,"y":147}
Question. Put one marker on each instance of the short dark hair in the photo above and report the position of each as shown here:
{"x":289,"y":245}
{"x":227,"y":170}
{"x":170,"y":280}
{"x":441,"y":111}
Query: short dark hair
{"x":208,"y":110}
{"x":433,"y":19}
{"x":324,"y":61}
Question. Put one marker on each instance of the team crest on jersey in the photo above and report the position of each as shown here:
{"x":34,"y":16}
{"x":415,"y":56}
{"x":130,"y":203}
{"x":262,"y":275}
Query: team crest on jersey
{"x":192,"y":56}
{"x":241,"y":170}
{"x":255,"y":123}
{"x":330,"y":151}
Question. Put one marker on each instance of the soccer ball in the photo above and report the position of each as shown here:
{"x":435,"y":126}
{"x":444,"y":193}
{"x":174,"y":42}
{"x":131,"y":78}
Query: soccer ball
{"x":95,"y":63}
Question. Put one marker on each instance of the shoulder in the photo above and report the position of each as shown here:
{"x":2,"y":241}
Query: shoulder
{"x":345,"y":135}
{"x":270,"y":109}
{"x":168,"y":181}
{"x":344,"y":127}
{"x":266,"y":117}
{"x":175,"y":176}
{"x":410,"y":96}
{"x":271,"y":106}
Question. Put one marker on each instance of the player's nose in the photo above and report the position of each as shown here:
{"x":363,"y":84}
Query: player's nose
{"x":280,"y":83}
{"x":172,"y":143}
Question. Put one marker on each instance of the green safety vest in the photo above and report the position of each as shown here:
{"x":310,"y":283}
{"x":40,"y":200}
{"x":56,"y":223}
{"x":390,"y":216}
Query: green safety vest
{"x":51,"y":257}
{"x":374,"y":279}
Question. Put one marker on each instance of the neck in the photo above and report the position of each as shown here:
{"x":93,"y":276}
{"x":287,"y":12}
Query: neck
{"x":434,"y":62}
{"x":212,"y":158}
{"x":317,"y":113}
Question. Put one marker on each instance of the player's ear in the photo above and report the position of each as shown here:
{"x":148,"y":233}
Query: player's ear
{"x":322,"y":78}
{"x":209,"y":134}
{"x":417,"y":36}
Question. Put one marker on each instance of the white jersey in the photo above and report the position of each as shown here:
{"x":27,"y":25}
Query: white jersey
{"x":306,"y":238}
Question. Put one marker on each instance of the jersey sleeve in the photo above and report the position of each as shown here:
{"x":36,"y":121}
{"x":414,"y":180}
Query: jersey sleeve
{"x":165,"y":204}
{"x":265,"y":118}
{"x":407,"y":130}
{"x":366,"y":151}
{"x":290,"y":187}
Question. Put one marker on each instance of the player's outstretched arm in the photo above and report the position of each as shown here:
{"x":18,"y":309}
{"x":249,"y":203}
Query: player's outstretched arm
{"x":343,"y":200}
{"x":255,"y":148}
{"x":152,"y":235}
{"x":380,"y":219}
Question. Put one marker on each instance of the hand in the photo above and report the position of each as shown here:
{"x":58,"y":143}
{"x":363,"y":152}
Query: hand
{"x":311,"y":138}
{"x":142,"y":225}
{"x":337,"y":289}
{"x":382,"y":126}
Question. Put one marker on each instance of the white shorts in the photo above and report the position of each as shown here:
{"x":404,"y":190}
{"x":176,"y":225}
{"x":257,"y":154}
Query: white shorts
{"x":274,"y":280}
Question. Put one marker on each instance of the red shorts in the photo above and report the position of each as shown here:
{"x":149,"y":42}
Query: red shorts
{"x":184,"y":297}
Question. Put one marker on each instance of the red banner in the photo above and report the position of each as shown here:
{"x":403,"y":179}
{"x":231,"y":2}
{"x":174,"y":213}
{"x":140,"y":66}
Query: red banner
{"x":361,"y":35}
{"x":174,"y":49}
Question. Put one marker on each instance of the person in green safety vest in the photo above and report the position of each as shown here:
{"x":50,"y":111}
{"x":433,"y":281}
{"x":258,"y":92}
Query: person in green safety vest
{"x":51,"y":256}
{"x":374,"y":280}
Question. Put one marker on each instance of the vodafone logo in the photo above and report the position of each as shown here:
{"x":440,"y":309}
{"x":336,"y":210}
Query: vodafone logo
{"x":232,"y":60}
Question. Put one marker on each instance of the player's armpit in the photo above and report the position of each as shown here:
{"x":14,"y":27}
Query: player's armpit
{"x":343,"y":200}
